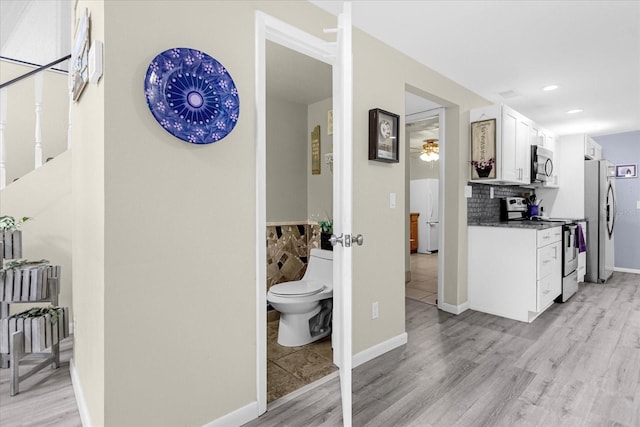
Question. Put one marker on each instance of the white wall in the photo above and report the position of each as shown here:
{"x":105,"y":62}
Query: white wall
{"x":163,"y":252}
{"x":423,"y":170}
{"x":90,"y":301}
{"x":320,"y":187}
{"x":287,"y":148}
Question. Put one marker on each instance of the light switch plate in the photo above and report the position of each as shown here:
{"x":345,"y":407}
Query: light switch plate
{"x":638,"y":204}
{"x":467,"y":191}
{"x":491,"y":192}
{"x":392,"y":200}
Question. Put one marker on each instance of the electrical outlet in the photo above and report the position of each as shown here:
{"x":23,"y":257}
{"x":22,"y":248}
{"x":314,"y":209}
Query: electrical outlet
{"x":374,"y":310}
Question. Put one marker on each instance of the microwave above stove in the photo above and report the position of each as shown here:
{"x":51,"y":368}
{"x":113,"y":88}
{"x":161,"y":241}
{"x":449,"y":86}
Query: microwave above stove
{"x":541,"y":163}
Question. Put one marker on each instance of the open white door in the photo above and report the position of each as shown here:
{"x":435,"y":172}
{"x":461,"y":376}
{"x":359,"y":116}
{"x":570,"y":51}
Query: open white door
{"x":339,"y":56}
{"x":342,"y":240}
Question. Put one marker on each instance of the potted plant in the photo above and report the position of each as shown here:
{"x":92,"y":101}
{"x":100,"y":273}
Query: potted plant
{"x":9,"y":223}
{"x":11,"y":236}
{"x":483,"y":168}
{"x":326,"y":230}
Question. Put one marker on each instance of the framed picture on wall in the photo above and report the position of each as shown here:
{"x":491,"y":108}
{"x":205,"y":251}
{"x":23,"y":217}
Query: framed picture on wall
{"x":384,"y":136}
{"x":483,"y":149}
{"x":627,"y":171}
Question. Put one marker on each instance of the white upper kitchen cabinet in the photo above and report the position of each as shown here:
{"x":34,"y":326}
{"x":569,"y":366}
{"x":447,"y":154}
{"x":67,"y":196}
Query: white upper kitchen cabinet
{"x":592,"y":150}
{"x":513,"y":134}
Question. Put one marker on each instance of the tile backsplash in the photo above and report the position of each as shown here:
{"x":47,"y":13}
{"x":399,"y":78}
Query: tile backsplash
{"x":481,"y":207}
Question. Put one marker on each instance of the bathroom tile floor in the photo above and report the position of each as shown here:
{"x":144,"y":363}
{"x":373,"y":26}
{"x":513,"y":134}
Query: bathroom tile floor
{"x":423,"y":286}
{"x":290,"y":368}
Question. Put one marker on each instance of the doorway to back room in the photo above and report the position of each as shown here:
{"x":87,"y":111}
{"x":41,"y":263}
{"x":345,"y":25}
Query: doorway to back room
{"x":424,"y":140}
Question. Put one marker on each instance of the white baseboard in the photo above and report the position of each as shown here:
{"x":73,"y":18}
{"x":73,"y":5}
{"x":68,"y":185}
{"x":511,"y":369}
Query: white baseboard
{"x":238,"y":417}
{"x":379,"y":349}
{"x":85,"y":419}
{"x":454,"y":309}
{"x":626,"y":270}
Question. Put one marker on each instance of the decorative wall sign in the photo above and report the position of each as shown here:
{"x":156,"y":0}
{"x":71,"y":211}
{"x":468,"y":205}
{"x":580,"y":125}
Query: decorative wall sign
{"x":315,"y":151}
{"x":80,"y":56}
{"x":192,"y":95}
{"x":627,"y":171}
{"x":483,"y":149}
{"x":383,"y":136}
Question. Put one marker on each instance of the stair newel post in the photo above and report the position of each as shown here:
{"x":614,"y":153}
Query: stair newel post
{"x":3,"y":141}
{"x":38,"y":94}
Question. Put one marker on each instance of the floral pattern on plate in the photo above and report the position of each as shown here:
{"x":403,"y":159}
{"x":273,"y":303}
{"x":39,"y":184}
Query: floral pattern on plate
{"x":192,"y":95}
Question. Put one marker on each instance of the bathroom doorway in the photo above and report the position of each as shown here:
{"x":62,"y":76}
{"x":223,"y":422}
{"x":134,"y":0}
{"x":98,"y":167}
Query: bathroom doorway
{"x":424,"y":138}
{"x":299,"y":193}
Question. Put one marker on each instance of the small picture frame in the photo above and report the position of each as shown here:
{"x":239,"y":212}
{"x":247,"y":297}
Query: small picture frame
{"x":627,"y":171}
{"x":384,"y":136}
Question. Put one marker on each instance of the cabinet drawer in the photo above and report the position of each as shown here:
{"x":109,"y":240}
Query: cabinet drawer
{"x":548,"y":236}
{"x":546,"y":292}
{"x":549,"y":259}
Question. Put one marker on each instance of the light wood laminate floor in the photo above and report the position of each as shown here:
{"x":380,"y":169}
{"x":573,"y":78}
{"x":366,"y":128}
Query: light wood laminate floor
{"x":578,"y":364}
{"x":423,"y":285}
{"x":45,"y":399}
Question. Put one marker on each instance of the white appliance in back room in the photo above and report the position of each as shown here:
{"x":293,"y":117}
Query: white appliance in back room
{"x":423,"y":199}
{"x":600,"y":211}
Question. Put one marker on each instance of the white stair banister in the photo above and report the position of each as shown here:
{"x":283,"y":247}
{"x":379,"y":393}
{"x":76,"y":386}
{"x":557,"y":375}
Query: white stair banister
{"x":38,"y":148}
{"x":3,"y":141}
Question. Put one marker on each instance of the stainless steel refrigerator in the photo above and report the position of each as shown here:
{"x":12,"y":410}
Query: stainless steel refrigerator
{"x":600,"y":211}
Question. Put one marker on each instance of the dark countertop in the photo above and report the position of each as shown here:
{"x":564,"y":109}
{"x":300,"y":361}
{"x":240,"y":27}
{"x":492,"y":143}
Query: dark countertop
{"x":534,"y":225}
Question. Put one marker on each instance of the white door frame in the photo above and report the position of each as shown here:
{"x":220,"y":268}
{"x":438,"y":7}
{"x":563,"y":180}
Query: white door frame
{"x":272,"y":29}
{"x":441,"y":113}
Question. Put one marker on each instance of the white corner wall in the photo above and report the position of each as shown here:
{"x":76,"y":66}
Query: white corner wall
{"x":164,"y":271}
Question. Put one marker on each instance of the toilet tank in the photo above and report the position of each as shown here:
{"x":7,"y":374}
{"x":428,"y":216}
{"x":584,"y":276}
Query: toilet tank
{"x":320,"y":267}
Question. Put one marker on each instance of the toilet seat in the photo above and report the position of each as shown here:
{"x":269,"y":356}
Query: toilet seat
{"x":301,"y":288}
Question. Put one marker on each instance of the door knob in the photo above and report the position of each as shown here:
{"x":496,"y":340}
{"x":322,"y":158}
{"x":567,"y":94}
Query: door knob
{"x":334,"y":240}
{"x":358,"y":240}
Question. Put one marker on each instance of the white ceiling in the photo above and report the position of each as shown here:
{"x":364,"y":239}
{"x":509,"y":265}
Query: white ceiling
{"x":296,"y":77}
{"x":507,"y":51}
{"x":35,"y":31}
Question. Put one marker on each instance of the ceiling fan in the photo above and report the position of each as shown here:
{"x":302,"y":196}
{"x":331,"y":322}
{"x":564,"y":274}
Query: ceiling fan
{"x":430,"y":151}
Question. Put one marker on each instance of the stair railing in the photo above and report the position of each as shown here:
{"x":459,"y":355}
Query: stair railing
{"x":38,"y":72}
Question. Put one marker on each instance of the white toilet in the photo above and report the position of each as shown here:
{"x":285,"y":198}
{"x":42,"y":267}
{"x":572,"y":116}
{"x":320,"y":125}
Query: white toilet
{"x":305,"y":305}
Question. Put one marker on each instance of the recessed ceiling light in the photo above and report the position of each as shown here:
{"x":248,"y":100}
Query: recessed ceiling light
{"x":550,"y":88}
{"x":574,"y":111}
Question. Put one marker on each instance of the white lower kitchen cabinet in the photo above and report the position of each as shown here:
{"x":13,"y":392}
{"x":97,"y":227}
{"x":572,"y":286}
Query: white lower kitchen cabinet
{"x":514,"y":272}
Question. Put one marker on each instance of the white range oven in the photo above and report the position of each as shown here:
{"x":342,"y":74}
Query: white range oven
{"x":569,"y":261}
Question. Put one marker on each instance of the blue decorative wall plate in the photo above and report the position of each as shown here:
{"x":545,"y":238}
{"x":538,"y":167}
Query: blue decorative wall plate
{"x":192,"y":95}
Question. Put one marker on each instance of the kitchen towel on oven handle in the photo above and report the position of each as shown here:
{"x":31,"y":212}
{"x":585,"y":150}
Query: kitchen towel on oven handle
{"x":580,"y":243}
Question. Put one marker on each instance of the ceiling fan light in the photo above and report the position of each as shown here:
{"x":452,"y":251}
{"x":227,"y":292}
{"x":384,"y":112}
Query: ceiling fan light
{"x":424,"y":157}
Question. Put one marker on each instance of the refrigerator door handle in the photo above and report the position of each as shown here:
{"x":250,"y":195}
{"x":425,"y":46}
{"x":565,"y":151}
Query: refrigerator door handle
{"x":611,"y":210}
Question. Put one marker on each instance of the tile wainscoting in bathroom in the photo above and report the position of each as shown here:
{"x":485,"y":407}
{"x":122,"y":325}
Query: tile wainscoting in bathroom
{"x":481,"y":207}
{"x":288,"y":249}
